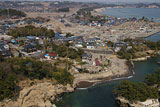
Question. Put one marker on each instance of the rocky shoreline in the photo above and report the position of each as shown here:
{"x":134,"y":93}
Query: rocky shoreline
{"x":122,"y":102}
{"x":152,"y":34}
{"x":29,"y":95}
{"x":40,"y":94}
{"x":43,"y":92}
{"x":88,"y":84}
{"x":144,"y":58}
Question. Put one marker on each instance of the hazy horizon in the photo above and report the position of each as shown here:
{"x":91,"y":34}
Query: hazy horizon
{"x":109,"y":1}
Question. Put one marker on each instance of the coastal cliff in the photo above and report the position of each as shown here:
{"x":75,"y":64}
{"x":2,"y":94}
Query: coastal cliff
{"x":39,"y":94}
{"x":148,"y":103}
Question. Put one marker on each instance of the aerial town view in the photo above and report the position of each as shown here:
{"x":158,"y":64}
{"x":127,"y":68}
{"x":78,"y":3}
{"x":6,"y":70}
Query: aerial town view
{"x":79,"y":53}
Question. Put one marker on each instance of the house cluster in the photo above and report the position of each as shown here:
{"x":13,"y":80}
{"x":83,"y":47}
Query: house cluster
{"x":90,"y":43}
{"x":62,"y":20}
{"x":37,"y":20}
{"x":81,"y":42}
{"x":100,"y":20}
{"x":30,"y":46}
{"x":86,"y":57}
{"x":119,"y":45}
{"x":95,"y":62}
{"x":63,"y":37}
{"x":5,"y":26}
{"x":5,"y":49}
{"x":145,"y":28}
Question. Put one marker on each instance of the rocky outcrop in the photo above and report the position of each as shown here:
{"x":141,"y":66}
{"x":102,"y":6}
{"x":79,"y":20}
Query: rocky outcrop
{"x":38,"y":95}
{"x":139,"y":59}
{"x":148,"y":103}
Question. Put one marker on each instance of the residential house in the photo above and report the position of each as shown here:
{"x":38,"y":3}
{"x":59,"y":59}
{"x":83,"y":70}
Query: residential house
{"x":79,"y":43}
{"x":68,"y":25}
{"x":58,"y":36}
{"x":14,"y":42}
{"x":90,"y":45}
{"x":21,"y":39}
{"x":119,"y":45}
{"x":97,"y":39}
{"x":4,"y":45}
{"x":86,"y":57}
{"x":5,"y":37}
{"x":51,"y":55}
{"x":97,"y":63}
{"x":37,"y":54}
{"x":33,"y":39}
{"x":40,"y":41}
{"x":4,"y":49}
{"x":29,"y":48}
{"x":143,"y":28}
{"x":91,"y":40}
{"x":57,"y":42}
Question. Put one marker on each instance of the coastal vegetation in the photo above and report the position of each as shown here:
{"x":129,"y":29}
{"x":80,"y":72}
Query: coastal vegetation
{"x":139,"y":48}
{"x":14,"y":70}
{"x":127,"y":54}
{"x":153,"y":79}
{"x":11,"y":12}
{"x":153,"y":45}
{"x":86,"y":15}
{"x":134,"y":91}
{"x":31,"y":30}
{"x":7,"y":84}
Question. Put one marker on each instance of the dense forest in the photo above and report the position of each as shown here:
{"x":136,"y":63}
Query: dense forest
{"x":11,"y":12}
{"x":133,"y":91}
{"x":31,"y":30}
{"x":14,"y":70}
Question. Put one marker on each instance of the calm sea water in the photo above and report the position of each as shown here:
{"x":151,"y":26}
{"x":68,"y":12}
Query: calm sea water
{"x":134,"y":12}
{"x":154,"y":38}
{"x":101,"y":95}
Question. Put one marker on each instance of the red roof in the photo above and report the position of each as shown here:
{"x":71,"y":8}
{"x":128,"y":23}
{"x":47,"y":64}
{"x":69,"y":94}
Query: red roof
{"x":52,"y":54}
{"x":67,"y":105}
{"x":97,"y":62}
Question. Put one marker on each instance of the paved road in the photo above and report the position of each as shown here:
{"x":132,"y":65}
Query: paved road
{"x":100,"y":51}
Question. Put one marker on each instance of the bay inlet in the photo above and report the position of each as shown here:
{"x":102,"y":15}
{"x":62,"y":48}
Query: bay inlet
{"x":101,"y":95}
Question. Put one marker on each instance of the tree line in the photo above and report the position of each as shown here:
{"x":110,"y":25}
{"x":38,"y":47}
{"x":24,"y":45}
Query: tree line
{"x":14,"y":70}
{"x":11,"y":12}
{"x":65,"y":51}
{"x":31,"y":30}
{"x":133,"y":91}
{"x":137,"y":46}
